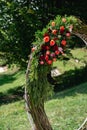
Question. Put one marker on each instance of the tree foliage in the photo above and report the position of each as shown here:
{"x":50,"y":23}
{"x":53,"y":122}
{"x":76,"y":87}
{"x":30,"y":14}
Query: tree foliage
{"x":20,"y":19}
{"x":17,"y":28}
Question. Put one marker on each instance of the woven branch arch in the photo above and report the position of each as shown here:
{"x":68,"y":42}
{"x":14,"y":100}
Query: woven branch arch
{"x":50,"y":46}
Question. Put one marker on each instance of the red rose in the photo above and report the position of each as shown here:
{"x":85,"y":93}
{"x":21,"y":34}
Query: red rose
{"x":54,"y":32}
{"x":63,"y":20}
{"x":63,"y":42}
{"x":62,"y":28}
{"x":47,"y":52}
{"x":68,"y":34}
{"x":57,"y":52}
{"x":52,"y":43}
{"x":46,"y":57}
{"x":49,"y":62}
{"x":46,"y":39}
{"x":41,"y":62}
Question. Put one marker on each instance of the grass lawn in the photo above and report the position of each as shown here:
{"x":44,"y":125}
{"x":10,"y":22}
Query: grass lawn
{"x":66,"y":110}
{"x":80,"y":58}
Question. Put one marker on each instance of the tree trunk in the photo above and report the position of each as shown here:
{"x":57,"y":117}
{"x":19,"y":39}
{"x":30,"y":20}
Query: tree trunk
{"x":37,"y":112}
{"x":40,"y":118}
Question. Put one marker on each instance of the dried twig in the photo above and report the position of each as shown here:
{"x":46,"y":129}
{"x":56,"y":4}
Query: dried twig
{"x":83,"y":124}
{"x":27,"y":102}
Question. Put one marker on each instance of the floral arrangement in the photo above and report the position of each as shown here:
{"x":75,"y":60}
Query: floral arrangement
{"x":51,"y":44}
{"x":55,"y":40}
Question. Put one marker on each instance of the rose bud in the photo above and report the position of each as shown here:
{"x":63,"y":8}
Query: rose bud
{"x":53,"y":24}
{"x":63,"y":20}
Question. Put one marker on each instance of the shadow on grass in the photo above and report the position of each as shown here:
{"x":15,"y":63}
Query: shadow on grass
{"x":80,"y":89}
{"x":69,"y":79}
{"x":7,"y":78}
{"x":12,"y":95}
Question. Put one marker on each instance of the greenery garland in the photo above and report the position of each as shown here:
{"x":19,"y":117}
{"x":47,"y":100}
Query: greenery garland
{"x":51,"y":44}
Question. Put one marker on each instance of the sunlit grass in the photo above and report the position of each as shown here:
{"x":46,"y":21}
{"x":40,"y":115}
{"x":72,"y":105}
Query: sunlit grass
{"x":80,"y":58}
{"x":66,"y":110}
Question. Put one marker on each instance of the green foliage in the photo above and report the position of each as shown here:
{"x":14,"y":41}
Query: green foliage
{"x":38,"y":85}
